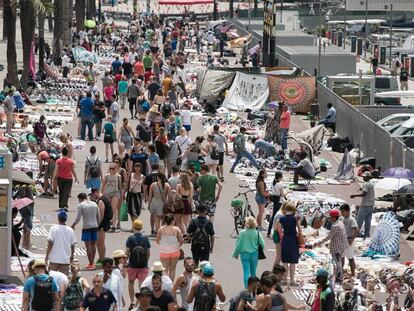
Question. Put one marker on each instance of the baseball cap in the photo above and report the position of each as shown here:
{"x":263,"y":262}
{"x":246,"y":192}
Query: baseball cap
{"x":39,"y":263}
{"x":366,"y":174}
{"x":62,"y":216}
{"x":137,"y":224}
{"x":144,"y":291}
{"x":322,"y":272}
{"x":201,"y":265}
{"x":334,"y":213}
{"x":208,"y":269}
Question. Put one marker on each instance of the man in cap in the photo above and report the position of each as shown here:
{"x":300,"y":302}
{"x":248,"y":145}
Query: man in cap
{"x":339,"y":241}
{"x":89,"y":212}
{"x":161,"y":298}
{"x":239,"y":147}
{"x":137,"y":245}
{"x":325,"y":296}
{"x":144,"y":298}
{"x":158,"y":269}
{"x":366,"y":208}
{"x":60,"y":245}
{"x":48,"y":298}
{"x":208,"y":287}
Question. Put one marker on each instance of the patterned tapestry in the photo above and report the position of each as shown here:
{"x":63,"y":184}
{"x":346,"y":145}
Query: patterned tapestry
{"x":213,"y":83}
{"x":299,"y":93}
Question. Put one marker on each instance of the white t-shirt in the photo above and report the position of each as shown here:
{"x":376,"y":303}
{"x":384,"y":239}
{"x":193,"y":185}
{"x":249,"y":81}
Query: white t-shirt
{"x":184,"y":142}
{"x":114,"y":284}
{"x":186,"y":117}
{"x":180,"y":74}
{"x":65,"y":61}
{"x":61,"y":279}
{"x":115,"y":112}
{"x":277,"y":190}
{"x":63,"y":238}
{"x":166,"y":283}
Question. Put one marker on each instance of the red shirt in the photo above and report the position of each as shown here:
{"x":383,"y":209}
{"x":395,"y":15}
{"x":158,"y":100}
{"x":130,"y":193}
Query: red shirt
{"x":148,"y":75}
{"x":108,"y":91}
{"x":285,"y":120}
{"x":139,"y":68}
{"x":316,"y":306}
{"x":65,"y":168}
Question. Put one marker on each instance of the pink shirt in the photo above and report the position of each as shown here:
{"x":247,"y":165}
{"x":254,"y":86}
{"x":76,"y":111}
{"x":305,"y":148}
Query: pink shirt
{"x":108,"y":90}
{"x":285,"y":120}
{"x":65,"y":168}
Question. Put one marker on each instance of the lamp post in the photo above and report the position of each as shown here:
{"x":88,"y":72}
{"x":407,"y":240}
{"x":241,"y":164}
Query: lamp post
{"x":366,"y":26}
{"x":320,"y":39}
{"x":391,"y":13}
{"x":345,"y":23}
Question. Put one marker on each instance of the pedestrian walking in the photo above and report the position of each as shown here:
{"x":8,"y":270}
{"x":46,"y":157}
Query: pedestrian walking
{"x":112,"y":189}
{"x":99,"y":298}
{"x":247,"y":247}
{"x":366,"y":209}
{"x":159,"y":198}
{"x":170,"y":239}
{"x":158,"y":269}
{"x":222,"y":148}
{"x":138,"y":254}
{"x":86,"y":106}
{"x":239,"y":147}
{"x":161,"y":298}
{"x":64,"y":176}
{"x":109,"y":131}
{"x":112,"y":281}
{"x":134,"y":192}
{"x":183,"y":282}
{"x":98,"y":116}
{"x":325,"y":295}
{"x":201,"y":231}
{"x":207,"y":185}
{"x":351,"y":228}
{"x":133,"y":94}
{"x":75,"y":289}
{"x":277,"y":197}
{"x":262,"y":196}
{"x":183,"y":202}
{"x":126,"y":136}
{"x":93,"y":170}
{"x":89,"y":212}
{"x":61,"y":245}
{"x":404,"y":75}
{"x":8,"y":107}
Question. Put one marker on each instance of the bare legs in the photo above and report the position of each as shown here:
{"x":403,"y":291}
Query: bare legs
{"x":101,"y":244}
{"x":90,"y":251}
{"x":291,"y":268}
{"x":260,"y":214}
{"x":170,"y":265}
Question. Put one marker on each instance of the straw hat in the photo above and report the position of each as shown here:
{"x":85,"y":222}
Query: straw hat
{"x":39,"y":263}
{"x":119,"y":253}
{"x":157,"y":266}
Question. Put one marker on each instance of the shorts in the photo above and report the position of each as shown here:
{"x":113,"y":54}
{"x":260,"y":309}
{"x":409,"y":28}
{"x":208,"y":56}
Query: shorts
{"x":93,"y":183}
{"x":105,"y":225}
{"x":108,"y":103}
{"x":221,"y":158}
{"x":260,"y":199}
{"x":50,"y":169}
{"x":108,"y":139}
{"x":187,"y":127}
{"x":276,"y":237}
{"x":89,"y":235}
{"x":349,"y":252}
{"x":111,"y":195}
{"x":174,"y":255}
{"x":137,"y":274}
{"x":211,"y":207}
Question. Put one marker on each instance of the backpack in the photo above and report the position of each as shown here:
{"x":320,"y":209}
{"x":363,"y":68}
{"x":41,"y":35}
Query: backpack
{"x":214,"y":154}
{"x":73,"y":295}
{"x":138,"y":258}
{"x":43,"y":294}
{"x":166,"y":110}
{"x":93,"y":168}
{"x":144,"y":133}
{"x":204,"y":296}
{"x":237,"y":144}
{"x":200,"y":239}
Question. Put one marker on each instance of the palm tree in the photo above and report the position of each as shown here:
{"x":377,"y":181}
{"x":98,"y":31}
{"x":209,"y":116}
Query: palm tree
{"x":10,"y":21}
{"x":67,"y":22}
{"x":58,"y":31}
{"x":91,"y":9}
{"x":41,"y":17}
{"x":80,"y":6}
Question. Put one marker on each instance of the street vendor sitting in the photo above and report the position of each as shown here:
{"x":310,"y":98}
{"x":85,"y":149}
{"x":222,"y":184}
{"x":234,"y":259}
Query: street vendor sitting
{"x":304,"y":169}
{"x":265,"y":148}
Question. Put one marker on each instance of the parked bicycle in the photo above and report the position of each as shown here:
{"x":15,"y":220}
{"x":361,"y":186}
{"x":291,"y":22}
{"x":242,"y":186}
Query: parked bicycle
{"x":240,"y":209}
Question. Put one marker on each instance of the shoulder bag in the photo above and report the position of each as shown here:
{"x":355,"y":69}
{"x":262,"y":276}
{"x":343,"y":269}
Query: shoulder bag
{"x":167,"y":206}
{"x":260,"y":248}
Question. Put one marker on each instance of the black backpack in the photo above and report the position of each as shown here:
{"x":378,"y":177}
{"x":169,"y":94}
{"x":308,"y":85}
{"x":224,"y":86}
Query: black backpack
{"x":166,"y":110}
{"x":214,"y":154}
{"x":204,"y":296}
{"x":138,"y":258}
{"x":200,"y":239}
{"x":43,"y":294}
{"x":73,"y":295}
{"x":93,"y":168}
{"x":144,"y":133}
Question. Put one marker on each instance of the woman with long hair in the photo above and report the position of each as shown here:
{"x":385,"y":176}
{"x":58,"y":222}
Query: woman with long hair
{"x":261,"y":197}
{"x":170,"y":239}
{"x":212,"y":152}
{"x":159,"y":198}
{"x":109,"y":136}
{"x":112,"y":189}
{"x":289,"y":224}
{"x":124,"y":178}
{"x":278,"y":197}
{"x":161,"y":147}
{"x":183,"y":205}
{"x":134,"y":194}
{"x":126,"y":135}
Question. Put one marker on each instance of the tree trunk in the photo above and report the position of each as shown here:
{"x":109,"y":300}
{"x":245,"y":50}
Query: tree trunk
{"x":58,"y":31}
{"x":10,"y":21}
{"x":231,"y":8}
{"x":27,"y":25}
{"x":67,"y":22}
{"x":50,"y":22}
{"x":80,"y":14}
{"x":91,"y":9}
{"x":41,"y":41}
{"x":4,"y":25}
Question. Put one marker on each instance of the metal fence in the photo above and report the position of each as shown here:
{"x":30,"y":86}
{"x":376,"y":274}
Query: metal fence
{"x":377,"y":113}
{"x":362,"y":130}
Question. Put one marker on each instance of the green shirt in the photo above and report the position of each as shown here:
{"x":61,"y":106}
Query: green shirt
{"x":208,"y":184}
{"x":122,"y":87}
{"x":147,"y":61}
{"x":248,"y":242}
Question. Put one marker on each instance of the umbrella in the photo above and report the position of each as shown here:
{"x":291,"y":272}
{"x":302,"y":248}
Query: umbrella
{"x":408,"y":189}
{"x":388,"y":185}
{"x":386,"y":239}
{"x":399,"y":172}
{"x":20,"y":203}
{"x":90,"y":23}
{"x":83,"y":55}
{"x":273,"y":105}
{"x":21,"y":177}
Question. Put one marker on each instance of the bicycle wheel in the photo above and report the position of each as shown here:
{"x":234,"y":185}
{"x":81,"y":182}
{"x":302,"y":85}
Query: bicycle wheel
{"x":238,"y":224}
{"x":249,"y":212}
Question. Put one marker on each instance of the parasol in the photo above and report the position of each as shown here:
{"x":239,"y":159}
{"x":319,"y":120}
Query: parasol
{"x":83,"y":55}
{"x":386,"y":239}
{"x":389,"y":185}
{"x":20,"y":203}
{"x":399,"y":172}
{"x":273,"y":105}
{"x":90,"y":23}
{"x":407,"y":189}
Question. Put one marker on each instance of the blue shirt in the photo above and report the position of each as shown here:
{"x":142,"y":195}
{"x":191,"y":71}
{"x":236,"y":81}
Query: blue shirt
{"x":101,"y":303}
{"x":135,"y":240}
{"x":86,"y":107}
{"x":263,"y":145}
{"x":18,"y":100}
{"x":29,"y":285}
{"x":174,"y":45}
{"x":154,"y":158}
{"x":331,"y":116}
{"x":116,"y":64}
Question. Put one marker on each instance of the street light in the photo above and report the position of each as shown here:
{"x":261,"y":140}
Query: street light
{"x":320,"y":39}
{"x":391,"y":11}
{"x":366,"y":25}
{"x":345,"y":24}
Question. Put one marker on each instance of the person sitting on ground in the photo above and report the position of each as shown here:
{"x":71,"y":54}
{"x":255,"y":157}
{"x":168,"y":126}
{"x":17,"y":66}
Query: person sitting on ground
{"x":304,"y":169}
{"x":265,"y":148}
{"x":330,"y":119}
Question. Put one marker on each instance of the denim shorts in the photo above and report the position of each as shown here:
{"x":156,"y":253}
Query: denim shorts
{"x":260,"y":199}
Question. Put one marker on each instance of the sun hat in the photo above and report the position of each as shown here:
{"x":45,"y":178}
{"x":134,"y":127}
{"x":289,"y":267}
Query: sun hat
{"x":137,"y":224}
{"x":322,"y":272}
{"x":119,"y":253}
{"x":157,"y":267}
{"x":208,"y":269}
{"x":39,"y":263}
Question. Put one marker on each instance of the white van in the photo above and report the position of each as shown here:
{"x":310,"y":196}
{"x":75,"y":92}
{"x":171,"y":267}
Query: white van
{"x":405,"y":130}
{"x":395,"y":120}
